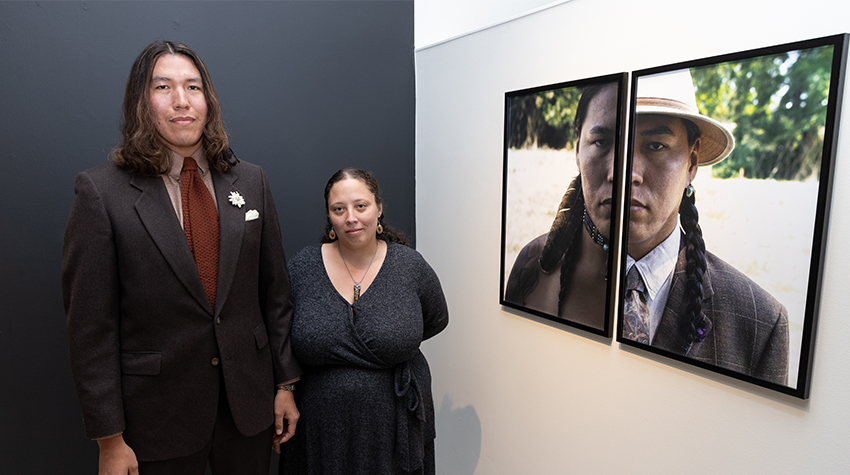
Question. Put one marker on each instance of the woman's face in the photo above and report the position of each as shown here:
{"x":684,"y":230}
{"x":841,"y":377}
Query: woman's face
{"x":353,"y":213}
{"x":595,"y":157}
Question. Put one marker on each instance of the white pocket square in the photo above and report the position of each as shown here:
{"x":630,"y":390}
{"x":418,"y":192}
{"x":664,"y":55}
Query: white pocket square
{"x":251,"y":215}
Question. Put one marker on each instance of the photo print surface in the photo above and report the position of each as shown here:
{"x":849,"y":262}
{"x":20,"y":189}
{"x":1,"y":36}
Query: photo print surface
{"x":562,"y":155}
{"x":728,"y":185}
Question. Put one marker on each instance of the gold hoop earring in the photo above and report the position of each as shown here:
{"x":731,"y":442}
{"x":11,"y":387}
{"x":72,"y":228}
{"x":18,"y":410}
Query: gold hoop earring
{"x":380,"y":229}
{"x":332,"y":235}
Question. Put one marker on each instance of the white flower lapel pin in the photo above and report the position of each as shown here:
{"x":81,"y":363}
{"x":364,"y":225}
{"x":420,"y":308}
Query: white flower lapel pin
{"x":236,"y":199}
{"x":251,"y":215}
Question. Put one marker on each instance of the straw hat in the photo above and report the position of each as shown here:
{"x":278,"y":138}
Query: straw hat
{"x":673,"y":94}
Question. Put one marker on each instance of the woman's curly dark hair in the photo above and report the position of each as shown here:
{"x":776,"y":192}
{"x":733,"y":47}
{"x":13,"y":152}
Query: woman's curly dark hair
{"x":389,"y":234}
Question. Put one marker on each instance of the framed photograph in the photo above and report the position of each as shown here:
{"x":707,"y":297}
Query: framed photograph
{"x":728,"y":186}
{"x":563,"y":152}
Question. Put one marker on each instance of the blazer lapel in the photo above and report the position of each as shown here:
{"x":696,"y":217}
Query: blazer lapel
{"x":231,"y":221}
{"x":157,"y":214}
{"x":667,"y":333}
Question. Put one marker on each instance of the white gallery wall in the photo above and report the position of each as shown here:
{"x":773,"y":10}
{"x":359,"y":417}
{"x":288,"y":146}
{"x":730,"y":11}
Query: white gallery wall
{"x":438,"y":20}
{"x":516,"y":394}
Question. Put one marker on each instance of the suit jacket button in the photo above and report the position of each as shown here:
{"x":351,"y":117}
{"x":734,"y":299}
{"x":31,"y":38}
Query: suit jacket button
{"x":214,"y":361}
{"x":217,"y":320}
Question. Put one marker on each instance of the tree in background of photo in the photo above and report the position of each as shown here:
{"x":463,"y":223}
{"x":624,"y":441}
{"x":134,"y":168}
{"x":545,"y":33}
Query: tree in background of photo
{"x":776,"y":108}
{"x":544,"y":119}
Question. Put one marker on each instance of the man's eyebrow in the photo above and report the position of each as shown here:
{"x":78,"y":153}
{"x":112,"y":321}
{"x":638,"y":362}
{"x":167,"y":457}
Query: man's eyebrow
{"x":167,"y":79}
{"x":601,"y":130}
{"x":660,"y":130}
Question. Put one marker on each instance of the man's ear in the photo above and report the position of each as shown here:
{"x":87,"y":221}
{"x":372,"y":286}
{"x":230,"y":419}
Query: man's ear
{"x":578,"y":144}
{"x":693,"y":160}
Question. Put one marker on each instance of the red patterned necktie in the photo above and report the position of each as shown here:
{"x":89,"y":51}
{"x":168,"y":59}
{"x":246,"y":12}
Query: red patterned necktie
{"x":635,"y":310}
{"x":200,"y":223}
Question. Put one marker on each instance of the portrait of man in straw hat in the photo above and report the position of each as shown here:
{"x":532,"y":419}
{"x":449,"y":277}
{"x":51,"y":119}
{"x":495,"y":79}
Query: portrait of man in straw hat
{"x":677,"y":296}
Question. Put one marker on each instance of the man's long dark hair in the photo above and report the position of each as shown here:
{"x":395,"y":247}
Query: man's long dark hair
{"x":142,"y":151}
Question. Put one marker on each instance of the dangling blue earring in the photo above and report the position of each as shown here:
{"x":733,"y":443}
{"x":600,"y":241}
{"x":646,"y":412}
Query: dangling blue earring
{"x":689,"y":191}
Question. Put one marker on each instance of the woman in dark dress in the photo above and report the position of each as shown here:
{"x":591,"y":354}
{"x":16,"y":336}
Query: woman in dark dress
{"x":364,"y":302}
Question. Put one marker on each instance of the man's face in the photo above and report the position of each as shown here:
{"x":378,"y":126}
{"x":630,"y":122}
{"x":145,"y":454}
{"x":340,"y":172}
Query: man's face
{"x":595,"y":157}
{"x":178,"y":104}
{"x":663,"y":166}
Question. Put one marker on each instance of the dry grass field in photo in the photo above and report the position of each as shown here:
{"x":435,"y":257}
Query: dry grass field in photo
{"x":764,"y":228}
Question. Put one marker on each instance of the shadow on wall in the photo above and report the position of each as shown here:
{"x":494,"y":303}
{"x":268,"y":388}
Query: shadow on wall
{"x":458,"y":445}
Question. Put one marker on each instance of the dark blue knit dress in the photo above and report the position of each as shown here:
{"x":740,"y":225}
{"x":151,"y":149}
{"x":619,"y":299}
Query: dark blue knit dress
{"x":365,"y":399}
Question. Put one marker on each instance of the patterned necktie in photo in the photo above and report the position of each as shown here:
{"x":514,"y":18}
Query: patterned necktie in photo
{"x":635,"y":311}
{"x":200,"y":223}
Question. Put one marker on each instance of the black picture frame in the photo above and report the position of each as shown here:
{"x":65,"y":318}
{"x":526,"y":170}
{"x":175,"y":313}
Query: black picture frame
{"x":773,"y":230}
{"x":533,"y":186}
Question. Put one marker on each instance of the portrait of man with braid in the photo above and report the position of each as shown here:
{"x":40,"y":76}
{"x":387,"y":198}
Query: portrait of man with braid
{"x":564,"y":271}
{"x":677,"y":296}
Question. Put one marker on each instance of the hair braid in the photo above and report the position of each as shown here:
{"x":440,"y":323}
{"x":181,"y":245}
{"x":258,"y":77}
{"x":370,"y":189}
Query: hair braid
{"x":570,"y":256}
{"x":560,"y":244}
{"x":568,"y":219}
{"x":693,"y":326}
{"x":523,"y":279}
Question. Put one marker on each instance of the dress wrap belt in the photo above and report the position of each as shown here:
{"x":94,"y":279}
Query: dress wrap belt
{"x":410,"y":417}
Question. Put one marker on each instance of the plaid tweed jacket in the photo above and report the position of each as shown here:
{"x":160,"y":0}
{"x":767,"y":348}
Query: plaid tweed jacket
{"x":748,"y":330}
